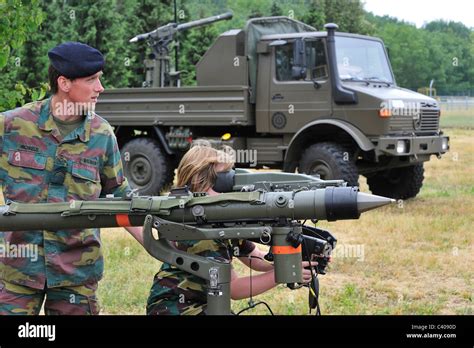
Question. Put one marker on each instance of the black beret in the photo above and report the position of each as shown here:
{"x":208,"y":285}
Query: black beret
{"x":75,"y":59}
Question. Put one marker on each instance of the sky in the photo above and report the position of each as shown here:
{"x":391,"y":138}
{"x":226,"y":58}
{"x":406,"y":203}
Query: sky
{"x":421,"y":11}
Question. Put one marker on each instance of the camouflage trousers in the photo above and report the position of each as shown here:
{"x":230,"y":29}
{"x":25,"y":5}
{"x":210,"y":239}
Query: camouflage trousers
{"x":72,"y":300}
{"x":170,"y":295}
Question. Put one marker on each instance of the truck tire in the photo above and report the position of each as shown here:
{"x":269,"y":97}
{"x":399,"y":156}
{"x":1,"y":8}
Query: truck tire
{"x":397,"y":183}
{"x":331,"y":161}
{"x":145,"y":165}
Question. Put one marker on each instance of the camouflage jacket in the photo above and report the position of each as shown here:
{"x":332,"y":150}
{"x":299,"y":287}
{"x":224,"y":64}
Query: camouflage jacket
{"x":38,"y":165}
{"x":176,"y":292}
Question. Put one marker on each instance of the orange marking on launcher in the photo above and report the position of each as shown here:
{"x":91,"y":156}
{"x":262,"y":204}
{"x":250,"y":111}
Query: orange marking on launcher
{"x":287,"y":249}
{"x":123,"y":220}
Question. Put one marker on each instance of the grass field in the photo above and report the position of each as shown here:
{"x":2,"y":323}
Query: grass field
{"x":463,"y":118}
{"x":415,"y":257}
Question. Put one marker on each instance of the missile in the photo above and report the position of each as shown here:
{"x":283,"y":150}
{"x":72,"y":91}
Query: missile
{"x":330,"y":203}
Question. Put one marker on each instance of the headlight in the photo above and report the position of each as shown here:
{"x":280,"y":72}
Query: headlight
{"x":444,"y":144}
{"x":401,"y":146}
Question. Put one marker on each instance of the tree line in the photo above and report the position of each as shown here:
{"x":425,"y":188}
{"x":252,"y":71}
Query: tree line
{"x":439,"y":50}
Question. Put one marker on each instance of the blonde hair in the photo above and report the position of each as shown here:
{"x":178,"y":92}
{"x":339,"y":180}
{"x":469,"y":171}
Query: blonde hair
{"x":197,"y":168}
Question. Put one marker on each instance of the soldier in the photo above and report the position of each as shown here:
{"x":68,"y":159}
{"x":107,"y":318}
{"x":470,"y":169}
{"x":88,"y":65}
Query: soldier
{"x":177,"y":292}
{"x":58,"y":150}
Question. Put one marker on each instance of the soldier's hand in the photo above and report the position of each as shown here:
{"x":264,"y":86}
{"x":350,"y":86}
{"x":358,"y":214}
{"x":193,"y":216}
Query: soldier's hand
{"x":306,"y":270}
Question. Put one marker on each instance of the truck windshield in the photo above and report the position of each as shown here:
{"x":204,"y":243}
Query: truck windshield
{"x":362,"y":60}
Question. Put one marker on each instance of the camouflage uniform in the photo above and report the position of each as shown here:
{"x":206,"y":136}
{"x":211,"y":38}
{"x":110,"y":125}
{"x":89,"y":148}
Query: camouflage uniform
{"x":38,"y":165}
{"x":176,"y":292}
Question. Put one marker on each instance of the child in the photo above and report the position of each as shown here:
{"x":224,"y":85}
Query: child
{"x":177,"y":292}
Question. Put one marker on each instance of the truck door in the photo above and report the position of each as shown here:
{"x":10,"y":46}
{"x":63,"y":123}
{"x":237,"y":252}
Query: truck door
{"x":296,"y":101}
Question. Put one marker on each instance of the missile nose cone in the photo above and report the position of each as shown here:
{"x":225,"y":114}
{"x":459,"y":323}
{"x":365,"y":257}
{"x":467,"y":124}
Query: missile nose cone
{"x":366,"y":201}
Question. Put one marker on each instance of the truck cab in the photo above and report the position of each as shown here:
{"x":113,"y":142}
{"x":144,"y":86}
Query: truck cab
{"x":327,"y":103}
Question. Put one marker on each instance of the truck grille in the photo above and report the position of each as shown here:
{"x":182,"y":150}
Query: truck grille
{"x":429,"y":120}
{"x":428,"y":123}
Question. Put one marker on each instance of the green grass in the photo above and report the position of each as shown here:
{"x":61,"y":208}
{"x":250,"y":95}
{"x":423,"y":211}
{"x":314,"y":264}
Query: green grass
{"x":463,"y":118}
{"x":129,"y":272}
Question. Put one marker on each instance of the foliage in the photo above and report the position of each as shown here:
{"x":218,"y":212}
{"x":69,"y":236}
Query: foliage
{"x":440,"y":50}
{"x":19,"y":19}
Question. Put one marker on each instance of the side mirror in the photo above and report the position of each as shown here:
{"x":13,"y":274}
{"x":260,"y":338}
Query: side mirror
{"x":299,"y":53}
{"x":298,"y":70}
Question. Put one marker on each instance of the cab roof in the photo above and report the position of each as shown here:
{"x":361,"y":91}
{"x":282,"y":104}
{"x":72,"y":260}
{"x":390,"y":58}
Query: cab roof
{"x":315,"y":34}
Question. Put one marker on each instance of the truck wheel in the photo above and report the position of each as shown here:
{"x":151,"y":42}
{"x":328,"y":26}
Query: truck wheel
{"x":145,"y":165}
{"x":330,"y":161}
{"x":398,"y":183}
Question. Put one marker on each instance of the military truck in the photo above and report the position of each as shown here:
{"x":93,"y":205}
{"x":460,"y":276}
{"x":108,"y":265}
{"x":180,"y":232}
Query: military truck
{"x":320,"y":102}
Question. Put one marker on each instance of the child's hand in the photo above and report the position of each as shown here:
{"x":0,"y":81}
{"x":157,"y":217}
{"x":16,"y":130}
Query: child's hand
{"x":307,"y":271}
